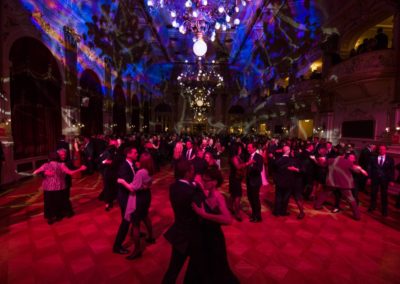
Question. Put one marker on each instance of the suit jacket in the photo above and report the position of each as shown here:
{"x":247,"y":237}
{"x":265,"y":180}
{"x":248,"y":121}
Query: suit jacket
{"x":284,"y":177}
{"x":192,"y":154}
{"x":88,"y":151}
{"x":125,"y":172}
{"x":307,"y":164}
{"x":253,"y":177}
{"x":365,"y":158}
{"x":185,"y":231}
{"x":381,"y":173}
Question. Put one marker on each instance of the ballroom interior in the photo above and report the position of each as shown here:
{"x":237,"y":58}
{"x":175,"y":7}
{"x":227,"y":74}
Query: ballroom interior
{"x":270,"y":68}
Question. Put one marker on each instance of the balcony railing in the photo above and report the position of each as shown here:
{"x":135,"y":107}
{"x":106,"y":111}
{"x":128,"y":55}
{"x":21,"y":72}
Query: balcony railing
{"x":305,"y":89}
{"x":374,"y":64}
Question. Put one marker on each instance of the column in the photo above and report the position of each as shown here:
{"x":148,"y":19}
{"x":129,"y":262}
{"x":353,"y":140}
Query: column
{"x":396,"y":47}
{"x":70,"y":99}
{"x":107,"y":101}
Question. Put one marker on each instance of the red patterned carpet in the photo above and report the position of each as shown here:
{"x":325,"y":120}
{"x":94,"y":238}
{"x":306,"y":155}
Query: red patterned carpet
{"x":322,"y":248}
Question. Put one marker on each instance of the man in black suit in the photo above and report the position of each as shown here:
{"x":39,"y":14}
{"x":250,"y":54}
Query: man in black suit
{"x":126,"y":171}
{"x":309,"y":170}
{"x":66,"y":193}
{"x":381,"y":173}
{"x":254,"y":182}
{"x":185,"y":233}
{"x":282,"y":183}
{"x":364,"y":160}
{"x":200,"y":165}
{"x":88,"y":155}
{"x":288,"y":181}
{"x":189,"y":153}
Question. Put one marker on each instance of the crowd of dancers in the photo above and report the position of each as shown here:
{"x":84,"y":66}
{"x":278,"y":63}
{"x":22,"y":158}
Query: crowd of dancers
{"x":308,"y":171}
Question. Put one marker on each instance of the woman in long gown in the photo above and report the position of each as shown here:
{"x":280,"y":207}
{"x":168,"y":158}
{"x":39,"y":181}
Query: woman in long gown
{"x":215,"y":213}
{"x":236,"y":175}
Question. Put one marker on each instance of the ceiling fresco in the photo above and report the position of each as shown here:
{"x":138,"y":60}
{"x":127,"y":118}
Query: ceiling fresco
{"x":141,"y":40}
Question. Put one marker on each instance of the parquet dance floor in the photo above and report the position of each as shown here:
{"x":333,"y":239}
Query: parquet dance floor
{"x":322,"y":248}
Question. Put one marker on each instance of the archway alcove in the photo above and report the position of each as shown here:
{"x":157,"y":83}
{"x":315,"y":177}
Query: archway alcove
{"x":163,"y":117}
{"x":91,"y":103}
{"x":35,"y":85}
{"x":119,"y":111}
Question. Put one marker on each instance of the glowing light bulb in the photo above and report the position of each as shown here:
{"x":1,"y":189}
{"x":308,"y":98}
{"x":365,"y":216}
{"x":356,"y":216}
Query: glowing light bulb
{"x":204,"y":2}
{"x":223,"y":27}
{"x":236,"y":22}
{"x":150,"y":3}
{"x":195,"y":14}
{"x":188,"y":4}
{"x":182,"y":29}
{"x":221,"y":9}
{"x":227,"y":18}
{"x":217,"y":25}
{"x":244,"y":3}
{"x":237,"y":9}
{"x":175,"y":24}
{"x":173,"y":14}
{"x":200,"y":47}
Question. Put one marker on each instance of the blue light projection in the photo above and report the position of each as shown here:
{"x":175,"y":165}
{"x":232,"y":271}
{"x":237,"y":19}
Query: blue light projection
{"x":143,"y":47}
{"x":105,"y":29}
{"x":285,"y":31}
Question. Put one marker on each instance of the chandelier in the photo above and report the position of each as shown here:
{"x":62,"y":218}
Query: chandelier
{"x":198,"y":82}
{"x":201,"y":75}
{"x":199,"y":101}
{"x":201,"y":17}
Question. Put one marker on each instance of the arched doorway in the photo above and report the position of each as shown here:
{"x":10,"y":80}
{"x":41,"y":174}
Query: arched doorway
{"x":236,"y":119}
{"x":119,"y":113}
{"x":35,"y":99}
{"x":135,"y":119}
{"x":91,"y":103}
{"x":163,"y":114}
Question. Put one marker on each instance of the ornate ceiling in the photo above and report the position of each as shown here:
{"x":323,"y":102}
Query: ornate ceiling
{"x":140,"y":41}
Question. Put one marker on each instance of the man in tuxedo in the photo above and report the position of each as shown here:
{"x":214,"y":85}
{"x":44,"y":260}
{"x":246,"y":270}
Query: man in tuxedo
{"x":288,"y":181}
{"x":88,"y":155}
{"x":66,"y":193}
{"x":185,"y":233}
{"x":127,"y":172}
{"x":189,"y":153}
{"x":381,"y":173}
{"x":254,"y":182}
{"x":282,"y":183}
{"x":364,"y":160}
{"x":309,"y":170}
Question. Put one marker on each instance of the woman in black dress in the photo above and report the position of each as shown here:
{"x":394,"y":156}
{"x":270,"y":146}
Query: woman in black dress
{"x":215,"y":213}
{"x":236,"y":175}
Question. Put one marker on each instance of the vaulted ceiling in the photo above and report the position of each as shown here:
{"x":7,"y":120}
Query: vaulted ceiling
{"x":140,"y":41}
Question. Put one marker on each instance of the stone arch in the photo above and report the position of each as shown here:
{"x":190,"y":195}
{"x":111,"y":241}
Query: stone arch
{"x":35,"y":87}
{"x":119,"y":111}
{"x":91,"y":97}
